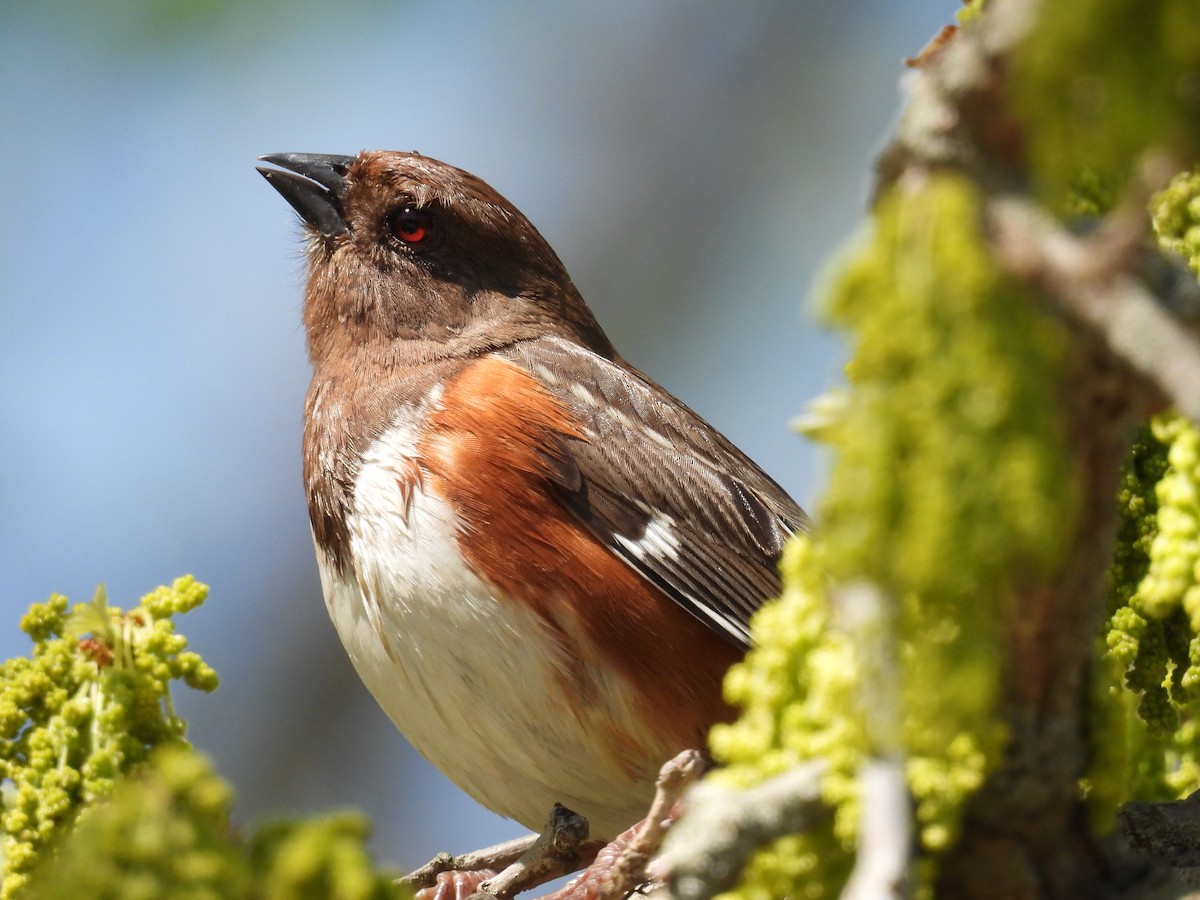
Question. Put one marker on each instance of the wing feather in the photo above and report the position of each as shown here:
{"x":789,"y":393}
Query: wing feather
{"x":665,"y":491}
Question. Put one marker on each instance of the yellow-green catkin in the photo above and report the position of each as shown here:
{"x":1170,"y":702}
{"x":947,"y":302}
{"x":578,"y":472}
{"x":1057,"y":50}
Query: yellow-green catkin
{"x":1099,"y":81}
{"x":1175,"y":213}
{"x":953,"y":487}
{"x":1170,"y":580}
{"x":1146,"y":737}
{"x":103,"y":796}
{"x":971,"y":10}
{"x":1152,"y":636}
{"x":952,"y":444}
{"x":165,"y":833}
{"x":1120,"y":751}
{"x":88,"y":705}
{"x":324,"y":856}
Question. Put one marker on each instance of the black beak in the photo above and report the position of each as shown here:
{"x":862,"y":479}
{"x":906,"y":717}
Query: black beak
{"x":317,"y":189}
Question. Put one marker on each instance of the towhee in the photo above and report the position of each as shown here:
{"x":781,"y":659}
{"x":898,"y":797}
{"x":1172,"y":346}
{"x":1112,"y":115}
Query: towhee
{"x":540,"y":562}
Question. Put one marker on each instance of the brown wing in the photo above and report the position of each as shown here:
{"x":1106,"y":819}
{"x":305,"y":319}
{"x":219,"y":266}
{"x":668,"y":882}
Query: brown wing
{"x":664,"y":490}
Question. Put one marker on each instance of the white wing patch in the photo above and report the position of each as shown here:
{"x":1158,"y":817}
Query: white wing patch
{"x":658,"y":539}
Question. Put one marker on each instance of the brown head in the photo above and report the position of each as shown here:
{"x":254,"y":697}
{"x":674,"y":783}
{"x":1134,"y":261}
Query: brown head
{"x":408,"y":250}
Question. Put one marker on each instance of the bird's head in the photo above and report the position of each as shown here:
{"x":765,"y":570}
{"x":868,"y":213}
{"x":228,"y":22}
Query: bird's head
{"x":406,"y":250}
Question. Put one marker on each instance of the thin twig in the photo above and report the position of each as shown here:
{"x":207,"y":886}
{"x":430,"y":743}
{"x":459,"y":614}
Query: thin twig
{"x":494,"y":857}
{"x":1095,"y":280}
{"x":707,"y":849}
{"x":881,"y":867}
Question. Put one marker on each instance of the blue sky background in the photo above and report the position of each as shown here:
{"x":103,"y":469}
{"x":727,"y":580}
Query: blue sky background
{"x":693,"y":164}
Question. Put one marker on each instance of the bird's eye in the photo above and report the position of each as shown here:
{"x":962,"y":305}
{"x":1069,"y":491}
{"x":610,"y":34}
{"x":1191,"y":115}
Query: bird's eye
{"x":410,"y":226}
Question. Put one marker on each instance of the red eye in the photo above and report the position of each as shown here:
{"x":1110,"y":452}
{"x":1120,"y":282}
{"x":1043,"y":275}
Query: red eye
{"x":410,"y":226}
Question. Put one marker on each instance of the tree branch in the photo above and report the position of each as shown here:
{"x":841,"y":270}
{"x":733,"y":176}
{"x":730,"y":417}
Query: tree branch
{"x":1098,"y":281}
{"x":885,"y":834}
{"x":494,"y":857}
{"x":707,"y":849}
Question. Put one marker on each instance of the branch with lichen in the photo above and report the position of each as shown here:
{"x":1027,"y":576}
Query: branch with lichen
{"x":1013,"y":323}
{"x":1032,"y":660}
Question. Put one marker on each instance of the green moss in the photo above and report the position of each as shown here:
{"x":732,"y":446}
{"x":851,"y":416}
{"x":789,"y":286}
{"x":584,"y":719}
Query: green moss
{"x":953,"y":486}
{"x":951,"y":445}
{"x":1099,"y":81}
{"x":798,"y":692}
{"x":952,"y":490}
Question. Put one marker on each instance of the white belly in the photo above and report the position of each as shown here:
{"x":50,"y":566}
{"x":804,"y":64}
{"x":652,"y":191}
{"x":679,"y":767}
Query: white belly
{"x":471,"y":682}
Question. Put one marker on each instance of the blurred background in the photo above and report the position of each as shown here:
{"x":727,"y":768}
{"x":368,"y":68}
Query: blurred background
{"x":692,"y":163}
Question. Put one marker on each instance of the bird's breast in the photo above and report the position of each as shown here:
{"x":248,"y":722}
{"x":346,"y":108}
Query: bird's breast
{"x":514,"y":649}
{"x":518,"y":710}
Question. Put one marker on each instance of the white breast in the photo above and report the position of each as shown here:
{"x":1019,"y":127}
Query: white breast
{"x":470,"y":681}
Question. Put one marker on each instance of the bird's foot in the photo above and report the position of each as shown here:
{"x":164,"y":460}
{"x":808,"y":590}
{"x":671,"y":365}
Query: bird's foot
{"x":620,"y":868}
{"x":614,"y":870}
{"x":560,"y":849}
{"x":455,"y":884}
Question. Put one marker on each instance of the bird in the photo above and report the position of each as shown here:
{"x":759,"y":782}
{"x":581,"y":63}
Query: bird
{"x":540,"y":562}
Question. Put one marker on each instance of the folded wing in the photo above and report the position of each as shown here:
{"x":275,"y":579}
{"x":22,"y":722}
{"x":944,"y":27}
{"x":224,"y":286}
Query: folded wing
{"x":664,"y":490}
